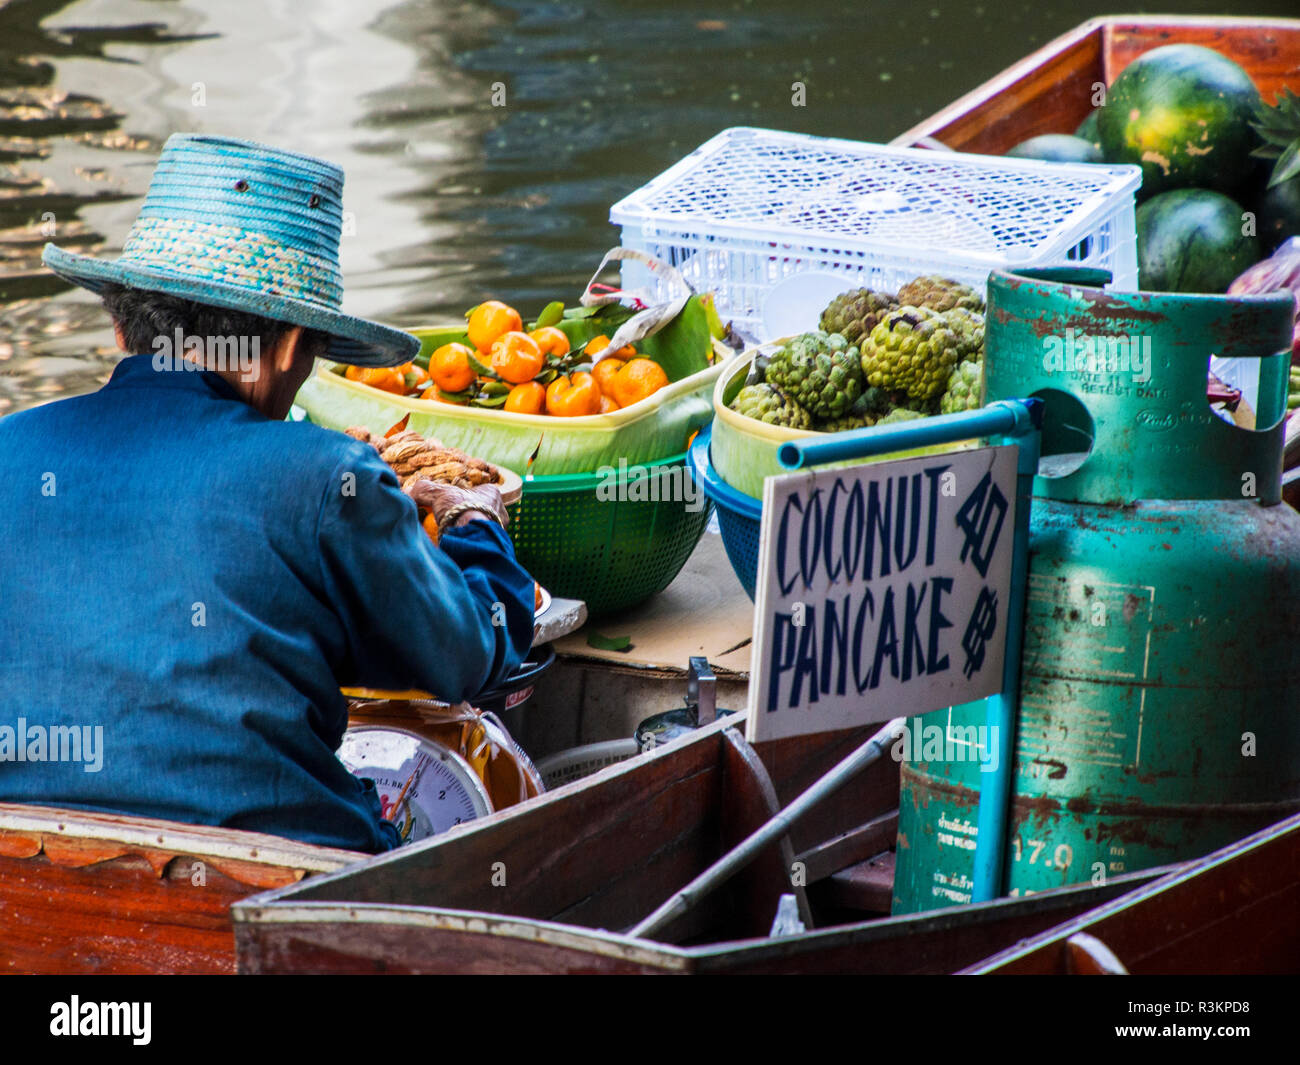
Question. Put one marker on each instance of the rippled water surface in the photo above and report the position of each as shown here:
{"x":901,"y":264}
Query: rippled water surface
{"x":454,"y":198}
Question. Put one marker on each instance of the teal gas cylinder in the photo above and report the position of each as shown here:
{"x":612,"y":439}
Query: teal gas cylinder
{"x":1160,"y":680}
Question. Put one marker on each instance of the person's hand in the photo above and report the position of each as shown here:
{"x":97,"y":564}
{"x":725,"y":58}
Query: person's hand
{"x":439,"y":498}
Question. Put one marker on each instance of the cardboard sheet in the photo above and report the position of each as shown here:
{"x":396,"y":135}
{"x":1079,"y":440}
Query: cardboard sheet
{"x":704,"y":611}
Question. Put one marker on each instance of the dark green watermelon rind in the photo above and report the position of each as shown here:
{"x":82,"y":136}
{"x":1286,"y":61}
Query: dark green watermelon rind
{"x":1216,"y":98}
{"x":1198,"y":242}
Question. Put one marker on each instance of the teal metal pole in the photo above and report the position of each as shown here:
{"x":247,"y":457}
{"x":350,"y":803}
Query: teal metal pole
{"x":1002,"y":709}
{"x":997,"y":419}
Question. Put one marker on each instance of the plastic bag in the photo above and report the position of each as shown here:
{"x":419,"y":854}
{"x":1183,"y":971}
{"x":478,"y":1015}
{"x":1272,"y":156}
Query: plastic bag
{"x":1280,"y":271}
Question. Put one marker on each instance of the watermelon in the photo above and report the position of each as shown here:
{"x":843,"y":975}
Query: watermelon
{"x":1192,"y":240}
{"x":1182,"y":113}
{"x":1057,"y":148}
{"x":1088,"y":127}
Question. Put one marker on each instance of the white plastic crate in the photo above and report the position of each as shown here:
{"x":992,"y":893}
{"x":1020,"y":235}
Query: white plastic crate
{"x":750,"y":207}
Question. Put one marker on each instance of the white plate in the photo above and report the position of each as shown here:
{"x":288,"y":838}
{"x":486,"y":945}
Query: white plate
{"x":795,"y":305}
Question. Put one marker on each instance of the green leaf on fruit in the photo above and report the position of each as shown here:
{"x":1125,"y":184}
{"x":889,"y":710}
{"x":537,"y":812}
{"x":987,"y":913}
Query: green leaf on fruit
{"x":1288,"y":165}
{"x":609,"y":643}
{"x":551,"y":314}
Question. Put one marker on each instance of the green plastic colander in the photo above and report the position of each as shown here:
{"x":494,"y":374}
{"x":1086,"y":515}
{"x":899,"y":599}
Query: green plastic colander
{"x":611,"y":538}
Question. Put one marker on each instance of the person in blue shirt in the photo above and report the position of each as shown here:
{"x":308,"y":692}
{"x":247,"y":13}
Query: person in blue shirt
{"x":187,"y":578}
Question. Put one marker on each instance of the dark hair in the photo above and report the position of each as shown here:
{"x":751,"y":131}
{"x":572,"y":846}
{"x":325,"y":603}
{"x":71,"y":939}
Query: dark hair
{"x":144,"y":316}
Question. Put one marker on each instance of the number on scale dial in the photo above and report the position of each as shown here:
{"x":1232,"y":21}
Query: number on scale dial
{"x":424,"y":787}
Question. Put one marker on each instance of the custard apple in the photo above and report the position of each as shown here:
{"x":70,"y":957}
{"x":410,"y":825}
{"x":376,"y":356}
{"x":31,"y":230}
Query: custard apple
{"x":939,"y":294}
{"x":767,"y":403}
{"x":845,"y":422}
{"x":902,"y":414}
{"x":822,"y":372}
{"x":964,"y":388}
{"x":855,"y":313}
{"x":915,"y":350}
{"x":862,"y":414}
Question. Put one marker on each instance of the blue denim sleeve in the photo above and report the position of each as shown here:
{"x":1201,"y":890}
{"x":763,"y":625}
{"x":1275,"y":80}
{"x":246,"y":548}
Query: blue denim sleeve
{"x":453,"y":620}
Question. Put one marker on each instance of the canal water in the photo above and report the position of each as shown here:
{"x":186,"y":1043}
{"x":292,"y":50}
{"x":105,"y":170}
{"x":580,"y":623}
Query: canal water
{"x":483,"y":142}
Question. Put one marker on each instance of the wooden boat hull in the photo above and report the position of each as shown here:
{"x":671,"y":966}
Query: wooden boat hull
{"x":100,"y":893}
{"x":538,"y":888}
{"x":1051,"y":90}
{"x":332,"y":938}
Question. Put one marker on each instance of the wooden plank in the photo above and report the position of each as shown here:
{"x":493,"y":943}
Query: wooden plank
{"x":1268,"y":49}
{"x":867,"y":886}
{"x":748,"y":802}
{"x":796,"y":762}
{"x":114,"y":917}
{"x":332,"y":939}
{"x":1235,"y":911}
{"x":1044,"y":84}
{"x":52,"y":824}
{"x":85,"y":892}
{"x":857,"y":845}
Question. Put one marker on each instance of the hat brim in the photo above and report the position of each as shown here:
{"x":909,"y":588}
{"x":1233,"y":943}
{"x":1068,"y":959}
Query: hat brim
{"x":356,"y":341}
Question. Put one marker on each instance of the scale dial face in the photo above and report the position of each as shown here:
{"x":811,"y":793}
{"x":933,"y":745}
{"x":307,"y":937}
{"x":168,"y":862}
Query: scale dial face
{"x":424,"y":787}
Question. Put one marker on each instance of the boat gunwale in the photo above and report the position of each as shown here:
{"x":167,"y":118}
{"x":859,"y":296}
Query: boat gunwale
{"x":925,"y":133}
{"x":705,"y":734}
{"x":155,"y":834}
{"x":1181,"y":875}
{"x":606,"y":943}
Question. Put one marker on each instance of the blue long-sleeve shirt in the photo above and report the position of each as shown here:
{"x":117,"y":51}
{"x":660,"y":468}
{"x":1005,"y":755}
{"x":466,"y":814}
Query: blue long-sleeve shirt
{"x":193,"y":582}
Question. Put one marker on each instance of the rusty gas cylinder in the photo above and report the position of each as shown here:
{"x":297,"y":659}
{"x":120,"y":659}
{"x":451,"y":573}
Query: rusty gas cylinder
{"x":1160,"y":681}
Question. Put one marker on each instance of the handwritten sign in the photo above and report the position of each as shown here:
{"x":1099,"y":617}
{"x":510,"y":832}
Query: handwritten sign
{"x":883,"y":590}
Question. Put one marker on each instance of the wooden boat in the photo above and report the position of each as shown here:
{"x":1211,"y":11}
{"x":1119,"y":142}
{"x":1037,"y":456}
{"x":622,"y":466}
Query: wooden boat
{"x":1234,"y":911}
{"x":101,"y":893}
{"x":1051,"y":90}
{"x":547,"y":885}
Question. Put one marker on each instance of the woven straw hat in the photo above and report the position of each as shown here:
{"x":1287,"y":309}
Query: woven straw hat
{"x":246,"y":227}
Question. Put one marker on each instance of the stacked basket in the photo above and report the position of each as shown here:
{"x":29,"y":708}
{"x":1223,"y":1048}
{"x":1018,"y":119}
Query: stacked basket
{"x":602,"y":516}
{"x":752,"y":209}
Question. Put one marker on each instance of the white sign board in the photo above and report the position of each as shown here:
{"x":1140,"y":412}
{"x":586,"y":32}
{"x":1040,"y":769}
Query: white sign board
{"x":883,"y":590}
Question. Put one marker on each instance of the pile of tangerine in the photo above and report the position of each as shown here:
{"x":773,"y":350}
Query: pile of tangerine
{"x":517,"y":358}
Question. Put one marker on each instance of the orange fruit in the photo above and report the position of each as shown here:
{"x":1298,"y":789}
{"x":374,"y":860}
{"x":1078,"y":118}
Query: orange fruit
{"x":607,"y":404}
{"x":430,"y":524}
{"x":604,"y":372}
{"x":573,"y":396}
{"x":528,"y":398}
{"x":385,"y":378}
{"x":638,"y":379}
{"x":516,"y":357}
{"x":490,"y":320}
{"x":416,"y":379}
{"x":449,"y":367}
{"x":598,"y":344}
{"x":552,"y":341}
